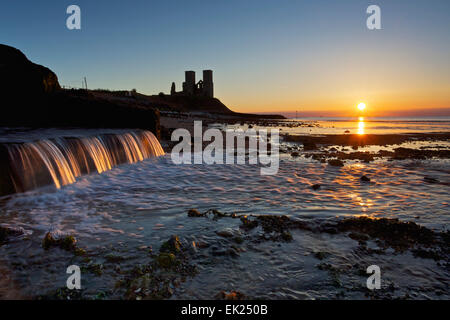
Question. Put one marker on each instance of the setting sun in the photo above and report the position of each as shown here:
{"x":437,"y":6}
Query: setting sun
{"x":361,"y":106}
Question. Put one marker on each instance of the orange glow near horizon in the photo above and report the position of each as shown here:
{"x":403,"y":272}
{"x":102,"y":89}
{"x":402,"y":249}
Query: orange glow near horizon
{"x":399,"y":101}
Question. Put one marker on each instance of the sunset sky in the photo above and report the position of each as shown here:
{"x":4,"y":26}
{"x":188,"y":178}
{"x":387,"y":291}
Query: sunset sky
{"x":317,"y":57}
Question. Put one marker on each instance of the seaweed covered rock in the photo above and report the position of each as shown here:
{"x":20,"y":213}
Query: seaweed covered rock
{"x":173,"y":245}
{"x":195,"y":213}
{"x":394,"y":233}
{"x":166,"y":260}
{"x":62,"y":241}
{"x":158,"y":279}
{"x":248,"y":224}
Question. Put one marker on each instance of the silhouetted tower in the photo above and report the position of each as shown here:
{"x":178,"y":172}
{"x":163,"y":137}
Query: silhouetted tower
{"x":208,"y":86}
{"x":172,"y":89}
{"x":189,"y":83}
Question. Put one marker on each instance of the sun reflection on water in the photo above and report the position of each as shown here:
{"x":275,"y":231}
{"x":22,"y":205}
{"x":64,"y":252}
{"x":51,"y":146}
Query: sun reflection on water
{"x":361,"y":125}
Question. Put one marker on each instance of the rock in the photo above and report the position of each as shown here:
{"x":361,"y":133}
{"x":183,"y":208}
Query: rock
{"x":226,"y":233}
{"x":286,"y":236}
{"x":233,"y":295}
{"x":232,"y":252}
{"x":57,"y":239}
{"x":358,"y":236}
{"x":112,"y":258}
{"x":238,"y":240}
{"x":321,"y":255}
{"x":202,"y":244}
{"x":335,"y":163}
{"x":315,"y":186}
{"x":394,"y":233}
{"x":429,"y":179}
{"x":248,"y":224}
{"x":195,"y":213}
{"x":365,"y":179}
{"x":216,"y":214}
{"x":166,"y":260}
{"x":173,"y":245}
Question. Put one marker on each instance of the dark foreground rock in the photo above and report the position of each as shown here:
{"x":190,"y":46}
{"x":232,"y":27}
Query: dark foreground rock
{"x":387,"y":233}
{"x":21,"y":76}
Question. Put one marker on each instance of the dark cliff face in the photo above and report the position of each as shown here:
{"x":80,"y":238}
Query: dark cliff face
{"x":31,"y":96}
{"x":19,"y":75}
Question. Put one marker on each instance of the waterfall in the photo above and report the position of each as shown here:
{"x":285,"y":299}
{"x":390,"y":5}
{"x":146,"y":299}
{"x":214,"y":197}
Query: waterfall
{"x":60,"y":161}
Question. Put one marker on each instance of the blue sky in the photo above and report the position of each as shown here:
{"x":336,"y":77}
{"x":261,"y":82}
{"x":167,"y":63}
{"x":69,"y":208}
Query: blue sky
{"x":266,"y":55}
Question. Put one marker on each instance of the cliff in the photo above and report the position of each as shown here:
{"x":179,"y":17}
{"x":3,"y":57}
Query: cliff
{"x":20,"y":75}
{"x":31,"y":96}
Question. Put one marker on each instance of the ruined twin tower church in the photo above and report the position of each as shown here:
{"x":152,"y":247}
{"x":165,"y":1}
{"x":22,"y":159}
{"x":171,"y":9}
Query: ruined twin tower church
{"x":203,"y":88}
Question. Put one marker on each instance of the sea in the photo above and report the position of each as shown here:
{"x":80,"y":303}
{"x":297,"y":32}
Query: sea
{"x":130,"y":208}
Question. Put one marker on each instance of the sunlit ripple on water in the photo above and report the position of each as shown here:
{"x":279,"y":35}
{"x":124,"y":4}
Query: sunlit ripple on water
{"x":159,"y":187}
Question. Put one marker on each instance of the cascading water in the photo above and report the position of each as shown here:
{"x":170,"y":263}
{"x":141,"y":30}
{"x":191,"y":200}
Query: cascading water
{"x":61,"y":160}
